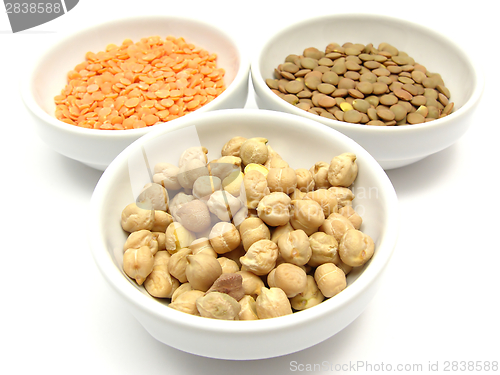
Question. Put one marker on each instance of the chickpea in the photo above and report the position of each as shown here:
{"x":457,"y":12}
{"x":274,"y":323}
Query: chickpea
{"x":305,"y":180}
{"x":178,"y":201}
{"x":232,"y":183}
{"x":186,"y":287}
{"x":160,"y":283}
{"x":282,"y":180}
{"x":254,"y":150}
{"x":177,"y":237}
{"x":165,"y":174}
{"x":190,"y":172}
{"x":248,"y":309}
{"x":290,"y":278}
{"x":336,"y":225}
{"x":260,"y":257}
{"x":223,"y":205}
{"x":153,"y":197}
{"x":294,"y":247}
{"x":218,"y":305}
{"x":356,"y":248}
{"x":202,"y":270}
{"x":162,"y":221}
{"x":202,"y":245}
{"x":236,"y":254}
{"x":232,"y":147}
{"x":224,"y":237}
{"x":134,"y":218}
{"x":276,"y":162}
{"x":192,"y":153}
{"x":330,"y":279}
{"x":274,"y":209}
{"x":278,"y":231}
{"x":324,"y":249}
{"x":228,"y":265}
{"x":160,"y":238}
{"x":344,"y":267}
{"x":254,"y":188}
{"x":229,"y":283}
{"x":326,"y":198}
{"x":343,"y":170}
{"x":252,"y":284}
{"x":296,"y":194}
{"x":252,"y":230}
{"x":272,"y":303}
{"x":306,"y":215}
{"x":194,"y":216}
{"x":310,"y":297}
{"x":140,"y":238}
{"x":319,"y":172}
{"x":178,"y":263}
{"x":138,"y":263}
{"x":186,"y":302}
{"x":352,"y":216}
{"x":204,"y":186}
{"x":344,"y":196}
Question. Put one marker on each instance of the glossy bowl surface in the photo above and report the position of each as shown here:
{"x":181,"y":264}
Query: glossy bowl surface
{"x":97,"y":148}
{"x":391,"y":146}
{"x":300,"y":141}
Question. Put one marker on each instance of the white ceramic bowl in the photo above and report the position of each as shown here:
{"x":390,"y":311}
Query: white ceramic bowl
{"x":392,"y":146}
{"x":97,"y":148}
{"x":301,"y":142}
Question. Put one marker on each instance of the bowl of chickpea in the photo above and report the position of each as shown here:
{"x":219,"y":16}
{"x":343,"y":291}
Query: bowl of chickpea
{"x":244,"y":234}
{"x":97,"y":90}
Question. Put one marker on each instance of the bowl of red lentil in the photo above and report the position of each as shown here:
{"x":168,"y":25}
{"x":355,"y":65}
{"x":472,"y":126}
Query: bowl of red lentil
{"x":93,"y":93}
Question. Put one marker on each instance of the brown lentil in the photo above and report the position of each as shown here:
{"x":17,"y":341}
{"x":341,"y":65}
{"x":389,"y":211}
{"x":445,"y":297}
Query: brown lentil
{"x":362,"y":84}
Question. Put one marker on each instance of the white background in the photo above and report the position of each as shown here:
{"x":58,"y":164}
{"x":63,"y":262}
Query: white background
{"x":438,"y":302}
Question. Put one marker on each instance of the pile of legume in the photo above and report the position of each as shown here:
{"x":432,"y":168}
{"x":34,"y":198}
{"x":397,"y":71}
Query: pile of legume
{"x":245,"y":236}
{"x":359,"y":83}
{"x":139,"y":84}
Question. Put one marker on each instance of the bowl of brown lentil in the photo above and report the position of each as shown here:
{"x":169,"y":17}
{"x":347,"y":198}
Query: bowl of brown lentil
{"x":96,"y":91}
{"x":170,"y":292}
{"x":401,"y":90}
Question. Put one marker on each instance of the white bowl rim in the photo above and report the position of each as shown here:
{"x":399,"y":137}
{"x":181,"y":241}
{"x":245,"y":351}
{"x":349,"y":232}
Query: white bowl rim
{"x":29,"y":100}
{"x":152,"y":307}
{"x":478,"y":76}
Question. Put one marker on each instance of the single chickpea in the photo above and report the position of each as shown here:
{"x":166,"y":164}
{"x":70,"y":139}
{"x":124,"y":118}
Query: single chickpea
{"x":202,"y":270}
{"x":343,"y":170}
{"x":326,"y":198}
{"x":190,"y":172}
{"x":224,"y":237}
{"x":177,"y":237}
{"x":345,"y":196}
{"x":252,"y":284}
{"x":186,"y":302}
{"x":162,"y":221}
{"x":252,"y":230}
{"x":276,"y":162}
{"x":294,"y":247}
{"x":160,"y":238}
{"x":160,"y":283}
{"x":140,"y":238}
{"x":229,"y":283}
{"x":165,"y":174}
{"x":248,"y":309}
{"x":319,"y":172}
{"x":138,"y":263}
{"x":192,"y":153}
{"x":254,"y":150}
{"x":134,"y":218}
{"x":186,"y":287}
{"x":274,"y":209}
{"x":330,"y":279}
{"x":153,"y":197}
{"x":290,"y":278}
{"x":352,"y":216}
{"x":228,"y":265}
{"x":336,"y":225}
{"x":232,"y":147}
{"x":260,"y":257}
{"x":194,"y":216}
{"x":254,"y":188}
{"x":178,"y":263}
{"x":344,"y":267}
{"x":282,"y":180}
{"x":178,"y":201}
{"x":272,"y":303}
{"x":278,"y":231}
{"x":305,"y":180}
{"x":202,"y":245}
{"x":324,"y":249}
{"x":232,"y":183}
{"x":216,"y":305}
{"x":356,"y":248}
{"x":310,"y":297}
{"x":306,"y":215}
{"x":223,"y":205}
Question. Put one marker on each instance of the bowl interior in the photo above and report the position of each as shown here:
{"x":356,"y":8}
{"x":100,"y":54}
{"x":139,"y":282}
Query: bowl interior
{"x":301,"y":142}
{"x":435,"y":52}
{"x":49,"y":76}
